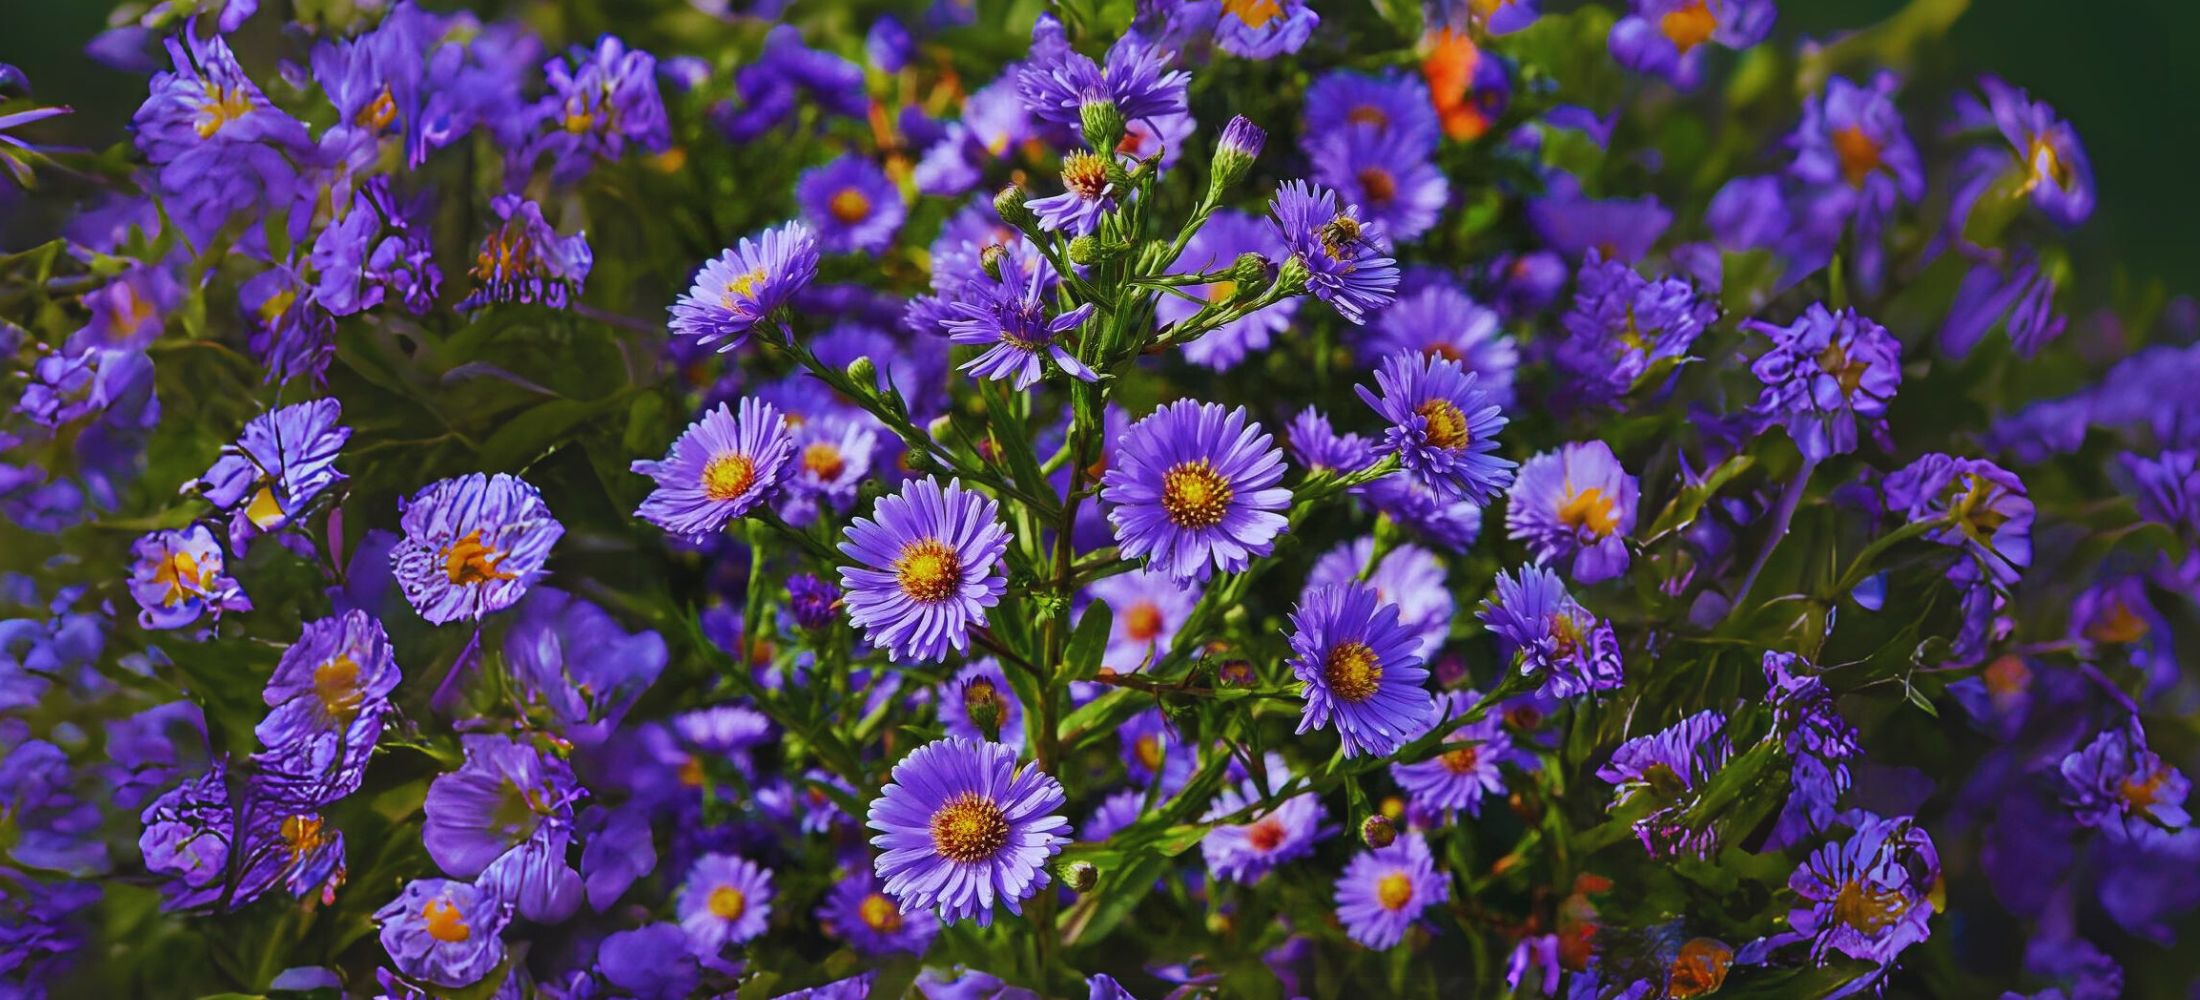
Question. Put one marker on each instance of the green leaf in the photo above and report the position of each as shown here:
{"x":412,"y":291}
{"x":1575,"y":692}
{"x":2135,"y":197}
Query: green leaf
{"x":1088,"y":641}
{"x":1681,"y":511}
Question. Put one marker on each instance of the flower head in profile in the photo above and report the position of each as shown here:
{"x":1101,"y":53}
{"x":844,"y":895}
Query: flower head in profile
{"x":1665,"y":770}
{"x":1087,"y":194}
{"x":928,"y":564}
{"x":600,"y":101}
{"x":326,"y":702}
{"x":444,"y":931}
{"x":178,"y":576}
{"x":1553,"y":635}
{"x":472,"y":545}
{"x":1344,"y":257}
{"x":1575,"y":505}
{"x":208,"y":106}
{"x":1667,"y":38}
{"x":1195,"y":488}
{"x":2119,"y":785}
{"x":524,"y":260}
{"x":851,"y":204}
{"x":858,"y":910}
{"x":1013,"y":316}
{"x":1441,"y":425}
{"x":1361,"y":670}
{"x":1146,"y":608}
{"x":1466,"y":771}
{"x":1870,"y":896}
{"x":744,"y":284}
{"x":1442,"y":321}
{"x":1854,"y":165}
{"x":2043,"y":162}
{"x":1247,"y":849}
{"x":1987,"y":510}
{"x":282,"y":462}
{"x":1321,"y":449}
{"x":962,"y":828}
{"x":725,"y":900}
{"x":505,"y":818}
{"x":1382,"y":891}
{"x":1828,"y":376}
{"x":720,"y":468}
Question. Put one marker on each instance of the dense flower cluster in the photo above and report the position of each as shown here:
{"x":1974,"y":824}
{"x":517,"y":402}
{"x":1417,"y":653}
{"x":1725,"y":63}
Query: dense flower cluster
{"x":745,"y":506}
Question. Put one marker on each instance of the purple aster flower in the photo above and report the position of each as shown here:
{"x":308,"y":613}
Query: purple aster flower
{"x":2117,"y":615}
{"x":813,"y":602}
{"x":928,"y":564}
{"x":744,"y":284}
{"x":1217,"y":246}
{"x":1393,"y":105}
{"x":1870,"y":896}
{"x":1383,"y":891}
{"x":1528,"y":282}
{"x":1623,"y":325}
{"x":1246,"y":848}
{"x":1154,"y":754}
{"x":1342,"y":255}
{"x":505,"y":818}
{"x":1618,"y":229}
{"x":981,"y":689}
{"x":290,"y":333}
{"x":1989,"y":513}
{"x":962,"y":828}
{"x":1146,"y":608}
{"x":1748,"y":212}
{"x":859,"y":912}
{"x":851,"y":204}
{"x":1803,"y":712}
{"x":1826,"y":375}
{"x":281,"y":463}
{"x":473,"y":544}
{"x":1114,"y":814}
{"x":43,"y":932}
{"x":994,"y":127}
{"x":725,"y":900}
{"x":2117,"y":784}
{"x":67,"y":386}
{"x":2166,"y":488}
{"x":1575,"y":504}
{"x":1377,"y":172}
{"x":1012,"y":316}
{"x":573,"y":657}
{"x":834,"y":453}
{"x":444,"y":932}
{"x":1086,"y":196}
{"x":1314,"y":445}
{"x":2050,"y":166}
{"x":1553,"y":635}
{"x":721,"y":467}
{"x":1460,"y":777}
{"x":129,"y":312}
{"x":1408,"y":576}
{"x":600,"y":101}
{"x":372,"y":252}
{"x":326,"y":702}
{"x":379,"y":83}
{"x":1166,"y":135}
{"x":217,"y":144}
{"x":1056,"y":82}
{"x":1264,"y":29}
{"x":178,"y":576}
{"x":2025,"y":296}
{"x":1195,"y":488}
{"x":1665,"y":769}
{"x":524,"y":260}
{"x":650,"y":962}
{"x":1442,"y":321}
{"x":187,"y":837}
{"x":1854,"y":162}
{"x":1360,"y":668}
{"x":1441,"y":425}
{"x":1665,"y":38}
{"x":1447,"y":521}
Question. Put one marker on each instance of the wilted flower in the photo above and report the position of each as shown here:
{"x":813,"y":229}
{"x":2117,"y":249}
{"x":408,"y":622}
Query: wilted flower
{"x":524,"y":260}
{"x":326,"y":702}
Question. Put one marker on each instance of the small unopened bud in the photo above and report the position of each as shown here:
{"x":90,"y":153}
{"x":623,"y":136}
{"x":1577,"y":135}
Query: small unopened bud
{"x":863,"y":373}
{"x":990,"y":260}
{"x":1080,"y":876}
{"x":1236,"y":673}
{"x":1378,"y":832}
{"x":1103,"y":123}
{"x":1235,"y":152}
{"x":982,"y":701}
{"x":940,"y":427}
{"x":1010,"y":205}
{"x":1251,"y":271}
{"x":1292,"y":277}
{"x":1084,"y":249}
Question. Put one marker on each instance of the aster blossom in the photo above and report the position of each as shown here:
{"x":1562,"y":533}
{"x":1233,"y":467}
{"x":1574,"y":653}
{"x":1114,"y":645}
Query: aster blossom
{"x":1442,"y":427}
{"x":851,"y":205}
{"x":601,"y":100}
{"x":1666,"y":38}
{"x":178,"y":576}
{"x":1391,"y":105}
{"x":444,"y":931}
{"x":2043,"y":162}
{"x":1360,"y":669}
{"x":1383,"y":891}
{"x":858,"y":911}
{"x":1218,"y":245}
{"x":1622,"y":326}
{"x":1871,"y":896}
{"x":2117,"y":784}
{"x":505,"y":818}
{"x":282,"y":462}
{"x":1250,"y":847}
{"x":1441,"y":320}
{"x":1263,"y":29}
{"x":326,"y":702}
{"x":725,"y":900}
{"x":1665,"y":769}
{"x":1195,"y":489}
{"x":1379,"y":172}
{"x":961,"y":829}
{"x":928,"y":565}
{"x":1408,"y":576}
{"x":1012,"y":316}
{"x":1467,"y":771}
{"x":472,"y":545}
{"x":1987,"y":511}
{"x":1343,"y":256}
{"x":1057,"y":82}
{"x":1575,"y":505}
{"x":719,"y":469}
{"x":1555,"y":637}
{"x":1828,"y":376}
{"x":1087,"y":195}
{"x":745,"y":284}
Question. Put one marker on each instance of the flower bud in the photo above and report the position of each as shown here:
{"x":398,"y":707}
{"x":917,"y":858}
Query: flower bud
{"x":983,"y":703}
{"x":1251,"y":271}
{"x":1378,"y":832}
{"x":862,"y":372}
{"x":1235,"y":152}
{"x":1292,"y":277}
{"x":1010,"y":205}
{"x":1080,"y":876}
{"x":1084,"y":249}
{"x":990,"y":260}
{"x":1103,"y":123}
{"x":1236,"y":673}
{"x":940,"y":427}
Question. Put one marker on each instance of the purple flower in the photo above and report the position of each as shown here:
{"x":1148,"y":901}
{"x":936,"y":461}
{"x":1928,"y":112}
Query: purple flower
{"x":1384,"y":890}
{"x":980,"y":689}
{"x":217,"y":144}
{"x":473,"y":544}
{"x":1408,"y":576}
{"x":1321,"y":449}
{"x":1854,"y":162}
{"x":1056,"y":82}
{"x":1826,"y":375}
{"x":1246,"y":848}
{"x":1575,"y":504}
{"x":928,"y":565}
{"x":1217,"y":246}
{"x":573,"y":657}
{"x":326,"y":702}
{"x":1618,"y":229}
{"x":1341,"y":254}
{"x":1870,"y":896}
{"x":1086,"y":196}
{"x":851,"y":204}
{"x":372,"y":251}
{"x":505,"y":817}
{"x":600,"y":101}
{"x":1360,"y":669}
{"x":444,"y":932}
{"x":129,"y":312}
{"x":857,"y":911}
{"x":291,"y":334}
{"x":1553,"y":635}
{"x":1989,"y":514}
{"x":1264,"y":29}
{"x":1664,"y":770}
{"x":834,"y":453}
{"x":744,"y":284}
{"x":2025,"y":295}
{"x":2166,"y":488}
{"x":1146,"y":608}
{"x":2117,"y":784}
{"x":1803,"y":713}
{"x":1442,"y":321}
{"x":1194,"y":488}
{"x":1527,"y":283}
{"x":2050,"y":166}
{"x":1441,"y":425}
{"x":961,"y":828}
{"x":1013,"y":318}
{"x":814,"y":603}
{"x":721,"y":468}
{"x":187,"y":837}
{"x":1380,"y":173}
{"x":1393,"y":106}
{"x":1153,"y":753}
{"x":1622,"y":325}
{"x":1462,"y":775}
{"x":177,"y":576}
{"x":1450,"y":522}
{"x":724,"y":900}
{"x":650,"y":962}
{"x":281,"y":463}
{"x":524,"y":260}
{"x":67,"y":386}
{"x":1665,"y":38}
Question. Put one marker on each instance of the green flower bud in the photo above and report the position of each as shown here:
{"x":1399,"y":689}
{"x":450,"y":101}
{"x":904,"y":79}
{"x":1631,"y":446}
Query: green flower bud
{"x":1292,"y":277}
{"x":1251,"y":272}
{"x":990,"y":259}
{"x":983,"y":702}
{"x":1081,"y":876}
{"x":1103,"y":123}
{"x":1084,"y":249}
{"x":1010,"y":204}
{"x":1378,"y":832}
{"x":863,"y":373}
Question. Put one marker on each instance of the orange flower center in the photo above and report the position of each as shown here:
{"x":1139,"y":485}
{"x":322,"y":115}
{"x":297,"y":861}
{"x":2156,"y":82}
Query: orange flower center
{"x":928,"y":571}
{"x":1143,"y":622}
{"x":444,"y":922}
{"x":1255,"y":13}
{"x":742,"y":288}
{"x":849,"y":206}
{"x":1849,"y":374}
{"x":1194,"y":495}
{"x":728,"y":903}
{"x":1866,"y":909}
{"x":728,"y":476}
{"x":1689,"y":26}
{"x":1085,"y":174}
{"x":336,"y":684}
{"x":180,"y":571}
{"x":220,"y":107}
{"x":1394,"y":891}
{"x":969,"y":828}
{"x":1699,"y":970}
{"x":1447,"y":424}
{"x":378,"y":115}
{"x":1148,"y":749}
{"x":1379,"y":184}
{"x":1463,"y":760}
{"x":824,"y":460}
{"x":879,"y":913}
{"x":1352,"y":672}
{"x":1859,"y":154}
{"x":1265,"y":834}
{"x":2142,"y":793}
{"x":1589,"y":509}
{"x":470,"y":561}
{"x":2116,"y":625}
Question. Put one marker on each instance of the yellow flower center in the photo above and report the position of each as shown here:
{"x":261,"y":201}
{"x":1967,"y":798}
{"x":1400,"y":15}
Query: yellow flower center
{"x":1255,"y":13}
{"x":219,"y":108}
{"x":1194,"y":495}
{"x":180,"y":571}
{"x":824,"y":460}
{"x":470,"y":561}
{"x":1975,"y":512}
{"x":928,"y":571}
{"x":2116,"y":625}
{"x":265,"y":512}
{"x":849,"y":206}
{"x":1352,"y":671}
{"x":742,"y":288}
{"x":506,"y":253}
{"x":1085,"y":174}
{"x":1589,"y":509}
{"x":1462,"y":760}
{"x":1142,"y":623}
{"x":1394,"y":891}
{"x":1148,"y":749}
{"x":1447,"y":424}
{"x":1381,"y":186}
{"x":444,"y":922}
{"x":378,"y":114}
{"x":336,"y":684}
{"x":1849,"y":374}
{"x":879,"y":913}
{"x":1859,"y":154}
{"x":2046,"y":166}
{"x":969,"y":828}
{"x":2142,"y":793}
{"x":1689,"y":26}
{"x":1368,"y":114}
{"x":300,"y":834}
{"x":1866,"y":909}
{"x":728,"y":476}
{"x":728,"y":903}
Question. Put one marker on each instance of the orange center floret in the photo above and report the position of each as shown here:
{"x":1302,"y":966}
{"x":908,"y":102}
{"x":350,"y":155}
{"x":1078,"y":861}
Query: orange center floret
{"x":1689,"y":26}
{"x":1085,"y":174}
{"x":444,"y":922}
{"x":824,"y":460}
{"x":180,"y":571}
{"x":1265,"y":835}
{"x":1143,"y":622}
{"x":1849,"y":374}
{"x":1447,"y":424}
{"x":1367,"y":114}
{"x":2116,"y":624}
{"x":1700,"y":969}
{"x":301,"y":833}
{"x":1867,"y":909}
{"x":1589,"y":509}
{"x":728,"y":903}
{"x":1194,"y":495}
{"x":1379,"y":184}
{"x":728,"y":476}
{"x":1394,"y":891}
{"x":1859,"y":154}
{"x":2007,"y":676}
{"x":2046,"y":165}
{"x":742,"y":286}
{"x":1975,"y":510}
{"x":265,"y":511}
{"x":221,"y":107}
{"x":378,"y":115}
{"x":879,"y":913}
{"x":1255,"y":13}
{"x":691,"y":771}
{"x":928,"y":570}
{"x":1352,"y":671}
{"x":336,"y":684}
{"x":470,"y":561}
{"x":969,"y":828}
{"x":1462,"y":760}
{"x":1148,"y":749}
{"x":507,"y":252}
{"x":849,"y":206}
{"x":2142,"y":793}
